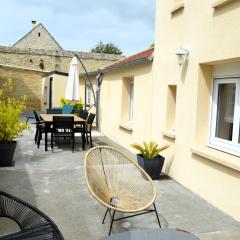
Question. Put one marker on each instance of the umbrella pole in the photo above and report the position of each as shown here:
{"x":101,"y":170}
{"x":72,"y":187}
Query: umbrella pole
{"x":86,"y":78}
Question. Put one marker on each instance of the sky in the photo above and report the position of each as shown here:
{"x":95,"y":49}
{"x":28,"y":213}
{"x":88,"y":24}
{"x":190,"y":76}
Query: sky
{"x":80,"y":24}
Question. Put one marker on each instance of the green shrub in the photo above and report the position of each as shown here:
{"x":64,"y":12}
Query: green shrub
{"x":78,"y":105}
{"x":11,"y":125}
{"x":150,"y":149}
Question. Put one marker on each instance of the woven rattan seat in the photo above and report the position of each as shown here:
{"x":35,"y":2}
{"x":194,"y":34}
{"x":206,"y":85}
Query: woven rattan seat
{"x":118,"y":183}
{"x":33,"y":224}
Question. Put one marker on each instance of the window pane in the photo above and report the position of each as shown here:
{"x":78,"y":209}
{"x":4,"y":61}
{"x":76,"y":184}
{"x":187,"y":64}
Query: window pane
{"x":225,"y":110}
{"x":239,"y":134}
{"x":131,"y":101}
{"x":89,"y":95}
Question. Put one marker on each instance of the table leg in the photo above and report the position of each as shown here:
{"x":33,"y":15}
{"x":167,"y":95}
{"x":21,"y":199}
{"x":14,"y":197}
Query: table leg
{"x":46,"y":141}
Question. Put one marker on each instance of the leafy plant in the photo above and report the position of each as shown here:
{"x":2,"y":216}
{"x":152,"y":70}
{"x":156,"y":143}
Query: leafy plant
{"x":150,"y":149}
{"x":78,"y":105}
{"x":109,"y":48}
{"x":11,"y":125}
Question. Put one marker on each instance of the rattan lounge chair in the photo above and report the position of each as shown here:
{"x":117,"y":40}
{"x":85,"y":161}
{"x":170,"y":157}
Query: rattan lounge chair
{"x":33,"y":224}
{"x":118,"y":183}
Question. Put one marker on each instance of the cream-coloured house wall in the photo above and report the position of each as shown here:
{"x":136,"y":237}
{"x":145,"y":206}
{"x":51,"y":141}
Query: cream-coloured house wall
{"x":113,"y":124}
{"x":58,"y":90}
{"x":212,"y":37}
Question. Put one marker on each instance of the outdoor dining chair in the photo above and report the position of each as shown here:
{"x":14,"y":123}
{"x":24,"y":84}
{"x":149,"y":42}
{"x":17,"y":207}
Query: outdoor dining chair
{"x":41,"y":128}
{"x":119,"y":184}
{"x":54,"y":111}
{"x":88,"y":130}
{"x":63,"y":127}
{"x":33,"y":224}
{"x":38,"y":125}
{"x":82,"y":114}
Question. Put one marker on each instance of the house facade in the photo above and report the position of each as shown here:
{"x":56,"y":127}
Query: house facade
{"x":126,"y":99}
{"x":54,"y":86}
{"x":193,"y":104}
{"x":196,"y":105}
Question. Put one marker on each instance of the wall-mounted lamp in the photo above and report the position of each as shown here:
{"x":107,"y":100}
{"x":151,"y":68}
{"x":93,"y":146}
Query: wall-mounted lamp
{"x":182,"y":54}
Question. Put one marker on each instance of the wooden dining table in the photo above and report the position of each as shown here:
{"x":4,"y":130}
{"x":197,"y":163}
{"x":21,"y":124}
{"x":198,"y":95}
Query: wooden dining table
{"x":48,"y":120}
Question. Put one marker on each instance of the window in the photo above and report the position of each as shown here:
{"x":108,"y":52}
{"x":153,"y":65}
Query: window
{"x":127,"y":99}
{"x":39,"y":34}
{"x":131,"y":101}
{"x":171,"y":106}
{"x":89,"y":95}
{"x":226,"y":115}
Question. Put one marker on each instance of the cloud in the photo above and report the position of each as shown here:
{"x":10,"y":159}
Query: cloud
{"x":79,"y":24}
{"x":125,"y":10}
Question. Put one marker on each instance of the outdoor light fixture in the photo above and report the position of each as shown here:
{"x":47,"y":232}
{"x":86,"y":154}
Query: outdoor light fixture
{"x":182,"y":54}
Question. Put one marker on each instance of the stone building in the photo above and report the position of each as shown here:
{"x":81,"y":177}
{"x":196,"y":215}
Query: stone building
{"x":36,"y":54}
{"x":38,"y":38}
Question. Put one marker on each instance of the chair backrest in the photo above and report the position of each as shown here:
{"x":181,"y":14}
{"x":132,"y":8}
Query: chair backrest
{"x":110,"y":175}
{"x":54,"y":111}
{"x":90,"y":118}
{"x":82,"y":114}
{"x":31,"y":221}
{"x":36,"y":116}
{"x":63,"y":122}
{"x":67,"y":109}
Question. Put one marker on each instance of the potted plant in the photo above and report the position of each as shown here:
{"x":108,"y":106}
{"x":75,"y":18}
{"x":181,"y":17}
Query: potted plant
{"x":11,"y":126}
{"x":149,"y":158}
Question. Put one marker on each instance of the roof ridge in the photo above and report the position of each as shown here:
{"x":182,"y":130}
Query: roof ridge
{"x":25,"y":35}
{"x":39,"y":24}
{"x":50,"y":35}
{"x":151,"y":48}
{"x":60,"y":52}
{"x":124,"y":60}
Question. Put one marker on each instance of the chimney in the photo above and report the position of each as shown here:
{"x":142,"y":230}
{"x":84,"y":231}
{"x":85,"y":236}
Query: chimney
{"x":34,"y":23}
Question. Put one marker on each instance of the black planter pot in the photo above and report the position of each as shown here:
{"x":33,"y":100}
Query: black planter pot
{"x":152,"y":166}
{"x":6,"y":154}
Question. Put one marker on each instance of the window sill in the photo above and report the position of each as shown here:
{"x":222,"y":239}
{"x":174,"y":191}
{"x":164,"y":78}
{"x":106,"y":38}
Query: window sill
{"x":170,"y":133}
{"x":220,"y":3}
{"x":126,"y":125}
{"x":218,"y":156}
{"x":177,"y":8}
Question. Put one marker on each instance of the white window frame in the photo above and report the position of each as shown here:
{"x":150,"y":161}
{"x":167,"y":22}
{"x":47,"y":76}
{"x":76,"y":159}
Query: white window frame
{"x":131,"y":100}
{"x":233,"y":146}
{"x":89,"y":95}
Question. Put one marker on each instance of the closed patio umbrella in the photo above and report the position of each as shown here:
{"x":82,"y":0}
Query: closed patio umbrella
{"x":72,"y":90}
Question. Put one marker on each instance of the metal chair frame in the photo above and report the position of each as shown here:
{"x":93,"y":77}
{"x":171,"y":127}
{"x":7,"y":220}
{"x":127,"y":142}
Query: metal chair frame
{"x":113,"y":219}
{"x":33,"y":223}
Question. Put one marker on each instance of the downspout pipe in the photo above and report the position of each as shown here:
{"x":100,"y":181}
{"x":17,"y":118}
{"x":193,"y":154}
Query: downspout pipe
{"x":99,"y":79}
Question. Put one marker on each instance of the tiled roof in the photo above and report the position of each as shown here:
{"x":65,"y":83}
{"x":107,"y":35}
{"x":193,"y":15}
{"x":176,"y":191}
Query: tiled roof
{"x":140,"y":57}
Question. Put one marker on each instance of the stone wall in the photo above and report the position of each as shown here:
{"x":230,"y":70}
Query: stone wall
{"x":25,"y":82}
{"x":52,"y":59}
{"x":23,"y":67}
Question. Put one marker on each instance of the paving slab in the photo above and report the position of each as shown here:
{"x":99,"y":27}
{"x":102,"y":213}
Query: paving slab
{"x":54,"y":183}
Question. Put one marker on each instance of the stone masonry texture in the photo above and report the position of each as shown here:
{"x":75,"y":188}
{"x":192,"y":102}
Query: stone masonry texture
{"x":25,"y":82}
{"x":38,"y":38}
{"x":36,"y":54}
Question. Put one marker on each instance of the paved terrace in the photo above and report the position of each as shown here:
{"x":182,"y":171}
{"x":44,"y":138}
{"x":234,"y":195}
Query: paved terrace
{"x":55,"y":184}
